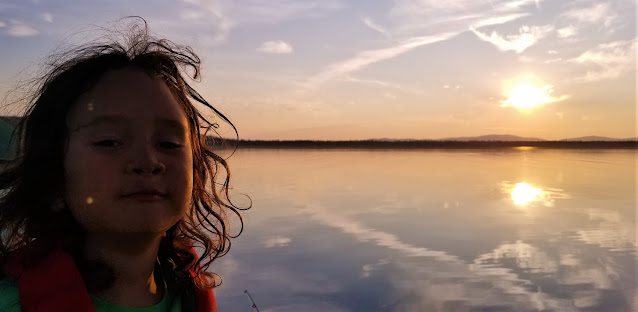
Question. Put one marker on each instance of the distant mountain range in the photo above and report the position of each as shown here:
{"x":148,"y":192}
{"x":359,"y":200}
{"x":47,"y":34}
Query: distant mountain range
{"x":493,"y":137}
{"x":508,"y":138}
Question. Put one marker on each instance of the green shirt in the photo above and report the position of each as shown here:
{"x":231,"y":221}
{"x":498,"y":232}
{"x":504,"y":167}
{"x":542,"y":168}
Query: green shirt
{"x":10,"y":300}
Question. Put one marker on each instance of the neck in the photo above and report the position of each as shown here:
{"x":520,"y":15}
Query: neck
{"x":132,"y":261}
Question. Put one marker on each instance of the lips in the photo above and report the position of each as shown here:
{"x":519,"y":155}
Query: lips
{"x":146,"y":195}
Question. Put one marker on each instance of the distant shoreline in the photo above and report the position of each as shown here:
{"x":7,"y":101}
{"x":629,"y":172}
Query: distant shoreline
{"x":427,"y":144}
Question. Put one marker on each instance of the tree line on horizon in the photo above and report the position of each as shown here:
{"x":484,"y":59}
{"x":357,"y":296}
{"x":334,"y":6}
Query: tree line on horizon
{"x":416,"y":144}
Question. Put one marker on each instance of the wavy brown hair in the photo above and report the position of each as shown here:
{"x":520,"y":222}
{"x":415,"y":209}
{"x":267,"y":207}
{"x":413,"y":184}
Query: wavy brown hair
{"x":33,"y":181}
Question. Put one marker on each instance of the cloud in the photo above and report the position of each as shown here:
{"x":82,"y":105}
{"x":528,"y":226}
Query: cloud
{"x":373,"y":82}
{"x":191,"y":15}
{"x":521,"y":3}
{"x":421,"y":7}
{"x":390,"y":96}
{"x":221,"y":16}
{"x":527,"y":37}
{"x":2,"y":24}
{"x":567,"y":32}
{"x":212,"y":16}
{"x":276,"y":242}
{"x":368,"y":22}
{"x":497,"y":20}
{"x":411,"y":16}
{"x":610,"y":60}
{"x":47,"y":17}
{"x":19,"y":29}
{"x":596,"y":14}
{"x":277,"y":47}
{"x":368,"y":57}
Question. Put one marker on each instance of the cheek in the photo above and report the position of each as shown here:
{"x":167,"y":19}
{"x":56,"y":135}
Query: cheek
{"x":86,"y":178}
{"x":185,"y":172}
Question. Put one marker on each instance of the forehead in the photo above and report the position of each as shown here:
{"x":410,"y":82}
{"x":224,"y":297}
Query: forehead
{"x":128,"y":93}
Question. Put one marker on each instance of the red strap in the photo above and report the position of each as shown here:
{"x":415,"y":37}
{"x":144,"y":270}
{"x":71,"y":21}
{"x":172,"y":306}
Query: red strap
{"x":205,"y":300}
{"x":53,"y":284}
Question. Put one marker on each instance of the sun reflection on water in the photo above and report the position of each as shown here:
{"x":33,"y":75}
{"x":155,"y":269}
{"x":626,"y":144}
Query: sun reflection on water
{"x":523,"y":194}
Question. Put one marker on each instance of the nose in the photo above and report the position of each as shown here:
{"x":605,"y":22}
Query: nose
{"x":145,"y":161}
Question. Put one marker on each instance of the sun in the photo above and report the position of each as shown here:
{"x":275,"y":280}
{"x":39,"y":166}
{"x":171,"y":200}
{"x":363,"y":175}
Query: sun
{"x":526,"y":96}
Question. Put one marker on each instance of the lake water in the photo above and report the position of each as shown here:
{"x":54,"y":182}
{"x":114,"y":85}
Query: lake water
{"x":434,"y":230}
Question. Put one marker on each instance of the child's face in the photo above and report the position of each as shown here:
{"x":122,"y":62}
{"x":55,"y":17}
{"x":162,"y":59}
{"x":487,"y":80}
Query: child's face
{"x":128,"y":164}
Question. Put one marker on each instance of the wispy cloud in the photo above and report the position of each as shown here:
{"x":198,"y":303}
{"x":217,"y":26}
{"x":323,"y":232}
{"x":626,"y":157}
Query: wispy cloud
{"x":276,"y":47}
{"x":213,"y":15}
{"x":372,"y":25}
{"x":610,"y":60}
{"x":373,"y":82}
{"x":527,"y":37}
{"x":390,"y":96}
{"x":2,"y":24}
{"x":422,"y":7}
{"x":20,"y":29}
{"x":413,"y":15}
{"x":384,"y":84}
{"x":366,"y":58}
{"x":496,"y":20}
{"x":600,"y":13}
{"x":520,"y":4}
{"x":47,"y":17}
{"x":221,"y":16}
{"x":191,"y":15}
{"x":567,"y":32}
{"x":419,"y":16}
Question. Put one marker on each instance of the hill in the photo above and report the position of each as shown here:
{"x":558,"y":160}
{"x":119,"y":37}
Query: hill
{"x":494,"y":137}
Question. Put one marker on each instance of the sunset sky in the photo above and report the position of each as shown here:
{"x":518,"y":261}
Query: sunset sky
{"x":331,"y":69}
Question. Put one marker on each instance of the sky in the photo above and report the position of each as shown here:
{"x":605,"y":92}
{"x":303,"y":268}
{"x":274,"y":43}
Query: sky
{"x":403,"y":69}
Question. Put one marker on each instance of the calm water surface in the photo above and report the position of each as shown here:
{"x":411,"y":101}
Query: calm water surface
{"x":434,"y":230}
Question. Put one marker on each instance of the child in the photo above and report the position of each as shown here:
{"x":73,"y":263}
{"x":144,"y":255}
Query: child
{"x":113,"y":185}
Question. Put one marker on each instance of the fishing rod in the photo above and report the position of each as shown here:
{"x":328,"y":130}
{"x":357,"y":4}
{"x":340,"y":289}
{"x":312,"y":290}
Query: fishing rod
{"x":251,"y":300}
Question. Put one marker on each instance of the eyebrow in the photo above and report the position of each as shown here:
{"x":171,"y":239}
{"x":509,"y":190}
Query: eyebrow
{"x":173,"y":124}
{"x":100,"y":120}
{"x":170,"y":123}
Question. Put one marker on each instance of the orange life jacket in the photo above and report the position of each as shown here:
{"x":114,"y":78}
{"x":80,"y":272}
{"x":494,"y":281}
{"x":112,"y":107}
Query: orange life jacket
{"x":49,"y":281}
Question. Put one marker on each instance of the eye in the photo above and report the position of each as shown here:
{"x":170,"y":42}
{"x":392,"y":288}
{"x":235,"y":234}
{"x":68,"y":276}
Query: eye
{"x":170,"y":145}
{"x":108,"y":143}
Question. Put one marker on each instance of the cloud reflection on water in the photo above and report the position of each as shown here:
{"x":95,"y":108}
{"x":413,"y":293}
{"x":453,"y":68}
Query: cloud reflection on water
{"x":278,"y":241}
{"x":612,"y":231}
{"x":447,"y":283}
